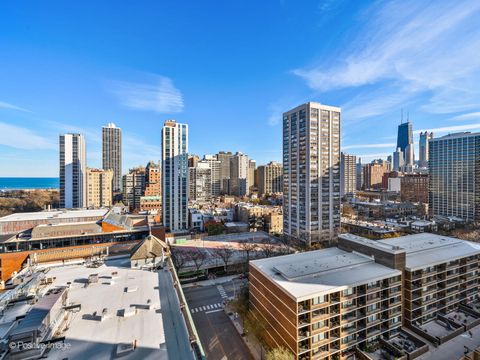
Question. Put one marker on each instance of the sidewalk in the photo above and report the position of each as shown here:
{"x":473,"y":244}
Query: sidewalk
{"x":217,"y":281}
{"x":251,"y":344}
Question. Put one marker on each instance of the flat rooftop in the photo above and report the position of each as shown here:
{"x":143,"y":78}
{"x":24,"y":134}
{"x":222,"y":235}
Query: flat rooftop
{"x":54,"y":214}
{"x":428,"y":249}
{"x":160,"y":332}
{"x":308,"y":274}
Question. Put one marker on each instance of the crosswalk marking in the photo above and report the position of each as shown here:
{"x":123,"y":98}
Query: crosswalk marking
{"x":222,"y":292}
{"x":204,"y":308}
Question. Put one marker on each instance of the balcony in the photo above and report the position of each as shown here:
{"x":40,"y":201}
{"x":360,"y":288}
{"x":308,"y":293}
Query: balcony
{"x":303,"y":334}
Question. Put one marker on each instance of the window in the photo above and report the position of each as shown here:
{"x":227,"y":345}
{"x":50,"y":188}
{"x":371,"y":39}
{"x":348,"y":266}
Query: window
{"x":318,"y":300}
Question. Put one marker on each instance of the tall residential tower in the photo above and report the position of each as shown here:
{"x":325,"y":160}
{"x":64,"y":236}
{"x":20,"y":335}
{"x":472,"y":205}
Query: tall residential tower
{"x":175,"y":175}
{"x":454,"y":170}
{"x":423,"y":146}
{"x":112,"y":153}
{"x":73,"y":167}
{"x":311,"y":172}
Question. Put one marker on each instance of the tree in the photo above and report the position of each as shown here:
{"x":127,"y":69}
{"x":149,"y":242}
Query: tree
{"x":267,"y":248}
{"x":247,"y":247}
{"x":214,"y":228}
{"x":198,"y":258}
{"x":279,"y":353}
{"x":225,"y":253}
{"x":179,"y":259}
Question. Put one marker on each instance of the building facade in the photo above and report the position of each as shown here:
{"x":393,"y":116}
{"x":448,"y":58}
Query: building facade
{"x":252,"y":168}
{"x":270,"y":178}
{"x":200,"y":182}
{"x":423,"y":146}
{"x":112,"y":154}
{"x":224,"y":158}
{"x":175,"y":175}
{"x":348,"y":174}
{"x":454,"y":170}
{"x":73,"y":171}
{"x":405,"y":142}
{"x":134,"y":187}
{"x":215,"y":166}
{"x":339,"y":310}
{"x":99,"y":188}
{"x":373,"y":175}
{"x":414,"y":188}
{"x":239,"y":174}
{"x":311,"y":172}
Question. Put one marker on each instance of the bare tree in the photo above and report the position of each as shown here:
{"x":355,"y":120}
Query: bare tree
{"x":267,"y":248}
{"x":179,"y":259}
{"x":225,"y":253}
{"x":198,"y":258}
{"x":247,"y":247}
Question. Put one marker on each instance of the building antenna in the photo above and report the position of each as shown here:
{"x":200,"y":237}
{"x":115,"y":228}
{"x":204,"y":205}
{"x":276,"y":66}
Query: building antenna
{"x":408,"y":116}
{"x":401,"y":119}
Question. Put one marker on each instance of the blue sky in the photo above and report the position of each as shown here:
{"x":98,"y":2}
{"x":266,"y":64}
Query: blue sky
{"x":229,"y":69}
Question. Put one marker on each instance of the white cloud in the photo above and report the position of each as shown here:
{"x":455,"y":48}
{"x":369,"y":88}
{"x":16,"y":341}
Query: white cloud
{"x":368,"y":146}
{"x":428,"y":48}
{"x":450,"y":129}
{"x":158,"y":95}
{"x":368,"y":157}
{"x":4,"y":105}
{"x":467,"y":116}
{"x":22,"y":138}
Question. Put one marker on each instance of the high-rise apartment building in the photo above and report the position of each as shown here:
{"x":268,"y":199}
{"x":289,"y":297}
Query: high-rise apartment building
{"x":252,"y":167}
{"x":414,"y":188}
{"x":134,"y":188}
{"x":215,"y":168}
{"x":112,"y":153}
{"x":454,"y":173}
{"x":348,"y":174}
{"x":270,"y":178}
{"x":398,"y":160}
{"x":153,"y":183}
{"x":200,"y":182}
{"x":224,"y":158}
{"x":193,"y":160}
{"x":73,"y":167}
{"x":99,"y":188}
{"x":423,"y":146}
{"x":359,"y":174}
{"x":239,"y":174}
{"x":175,"y":175}
{"x":311,"y":168}
{"x":373,"y":174}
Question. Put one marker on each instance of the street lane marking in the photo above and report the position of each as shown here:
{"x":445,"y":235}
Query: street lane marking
{"x":213,"y":311}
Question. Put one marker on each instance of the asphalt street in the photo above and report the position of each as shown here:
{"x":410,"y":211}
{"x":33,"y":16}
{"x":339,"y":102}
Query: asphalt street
{"x":219,"y":337}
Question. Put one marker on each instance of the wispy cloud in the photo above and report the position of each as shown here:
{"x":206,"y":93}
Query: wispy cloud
{"x":369,"y":146}
{"x":467,"y":116}
{"x":451,"y":129}
{"x":136,"y":151}
{"x":21,"y":138}
{"x":158,"y":94}
{"x":426,"y":48}
{"x":5,"y":105}
{"x":367,"y":157}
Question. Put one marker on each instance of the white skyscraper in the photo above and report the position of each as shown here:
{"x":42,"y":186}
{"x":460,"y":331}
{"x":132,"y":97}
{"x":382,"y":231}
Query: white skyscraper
{"x":214,"y":164}
{"x":175,"y":175}
{"x":112,"y":153}
{"x":311,"y":172}
{"x":239,"y":169}
{"x":73,"y":171}
{"x":348,"y":174}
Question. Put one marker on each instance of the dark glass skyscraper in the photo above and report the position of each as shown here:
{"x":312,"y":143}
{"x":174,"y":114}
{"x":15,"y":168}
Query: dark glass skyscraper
{"x":405,"y":136}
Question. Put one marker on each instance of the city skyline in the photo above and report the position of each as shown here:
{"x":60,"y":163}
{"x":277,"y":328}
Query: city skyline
{"x":138,"y":86}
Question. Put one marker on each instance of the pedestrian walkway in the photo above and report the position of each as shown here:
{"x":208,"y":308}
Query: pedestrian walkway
{"x":211,"y":282}
{"x":222,"y":292}
{"x":207,"y":308}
